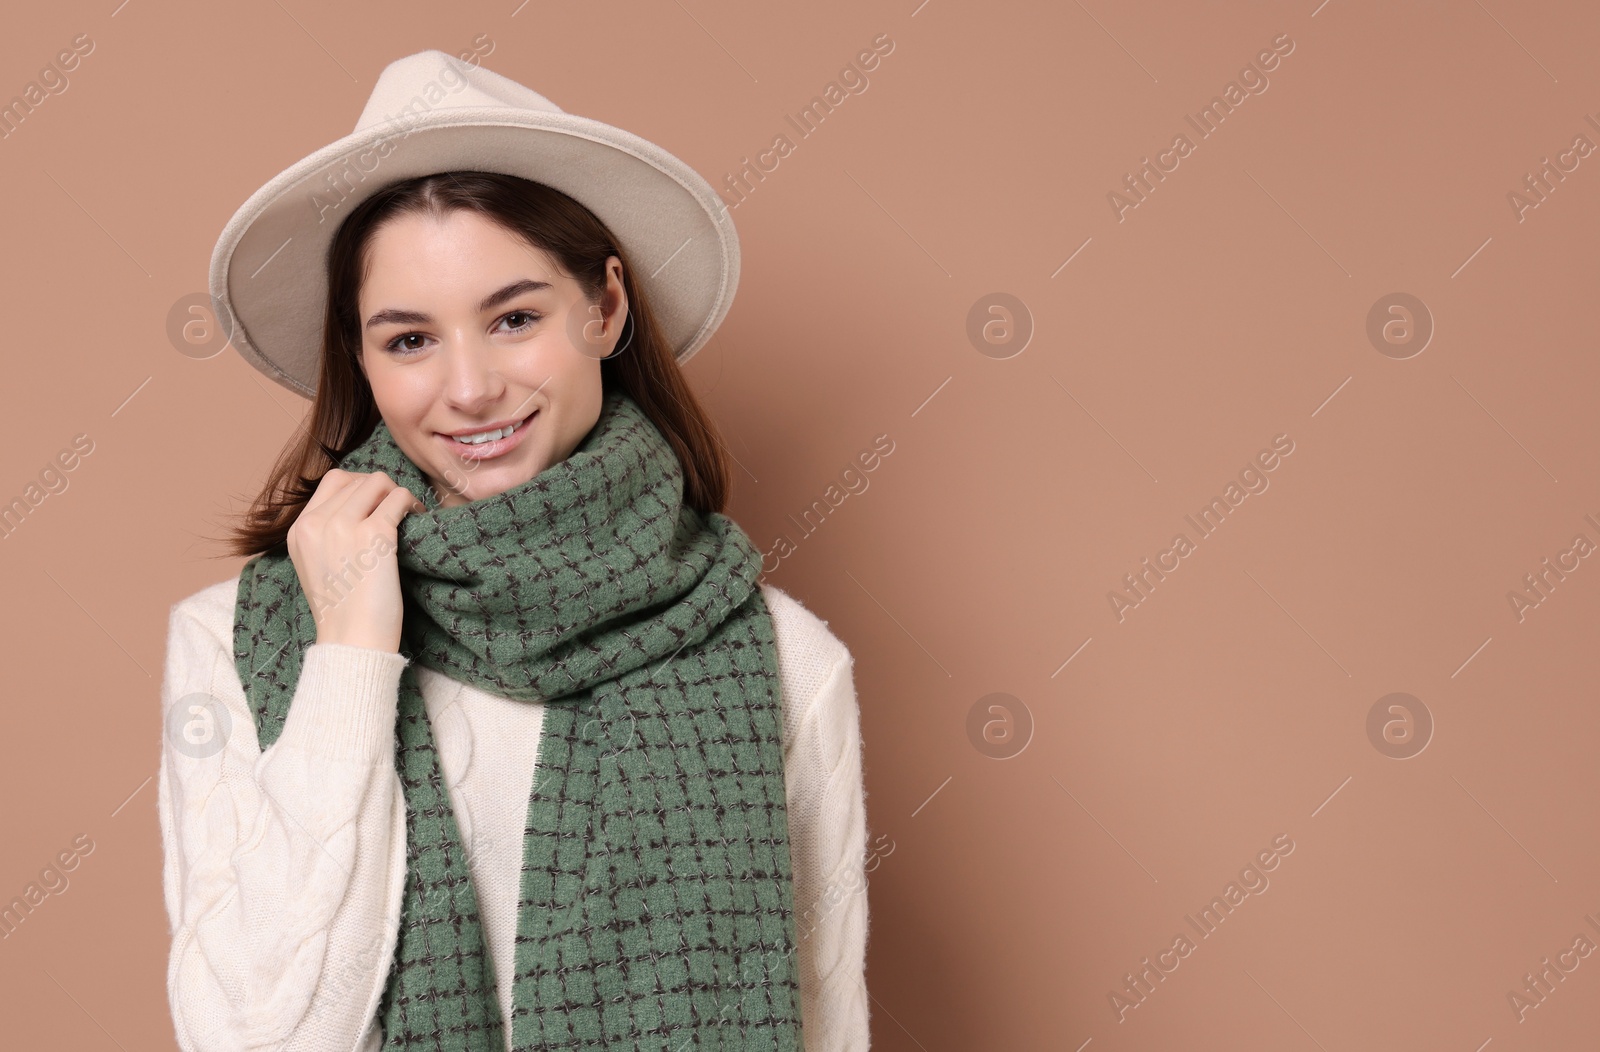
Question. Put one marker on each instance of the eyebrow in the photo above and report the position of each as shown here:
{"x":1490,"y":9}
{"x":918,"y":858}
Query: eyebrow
{"x":391,"y":315}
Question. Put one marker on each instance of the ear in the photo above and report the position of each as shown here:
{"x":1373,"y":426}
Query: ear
{"x":616,"y":287}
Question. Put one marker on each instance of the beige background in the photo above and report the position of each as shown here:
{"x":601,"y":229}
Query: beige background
{"x":1163,"y":750}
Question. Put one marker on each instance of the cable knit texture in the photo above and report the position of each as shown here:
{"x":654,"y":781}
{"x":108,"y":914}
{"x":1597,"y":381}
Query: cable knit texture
{"x":284,"y":869}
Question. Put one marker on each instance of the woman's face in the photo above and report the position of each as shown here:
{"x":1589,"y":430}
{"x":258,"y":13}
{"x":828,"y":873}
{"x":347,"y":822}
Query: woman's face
{"x":466,"y":327}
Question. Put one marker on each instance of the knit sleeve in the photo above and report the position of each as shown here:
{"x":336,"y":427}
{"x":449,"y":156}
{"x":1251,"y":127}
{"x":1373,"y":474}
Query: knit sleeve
{"x":282,"y":870}
{"x":827,"y":827}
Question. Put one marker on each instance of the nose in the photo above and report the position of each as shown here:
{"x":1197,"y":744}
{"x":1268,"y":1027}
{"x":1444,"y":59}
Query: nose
{"x":472,"y":377}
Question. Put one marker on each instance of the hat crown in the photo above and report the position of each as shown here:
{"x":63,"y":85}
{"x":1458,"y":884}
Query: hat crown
{"x":430,"y":80}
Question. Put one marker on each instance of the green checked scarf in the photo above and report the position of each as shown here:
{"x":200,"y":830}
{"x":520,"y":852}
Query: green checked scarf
{"x":656,"y":906}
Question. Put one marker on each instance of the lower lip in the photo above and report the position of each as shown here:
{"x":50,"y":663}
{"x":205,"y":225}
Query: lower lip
{"x":489,"y":450}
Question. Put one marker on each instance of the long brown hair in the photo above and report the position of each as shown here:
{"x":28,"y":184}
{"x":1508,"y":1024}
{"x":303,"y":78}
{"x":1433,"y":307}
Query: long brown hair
{"x":343,"y":412}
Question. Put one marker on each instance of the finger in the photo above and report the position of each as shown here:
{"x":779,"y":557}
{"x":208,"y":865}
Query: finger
{"x":332,"y":483}
{"x":356,"y":502}
{"x":362,"y":503}
{"x":396,"y":505}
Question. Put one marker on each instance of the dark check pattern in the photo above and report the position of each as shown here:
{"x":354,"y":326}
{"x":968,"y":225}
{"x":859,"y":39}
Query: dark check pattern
{"x":656,"y":906}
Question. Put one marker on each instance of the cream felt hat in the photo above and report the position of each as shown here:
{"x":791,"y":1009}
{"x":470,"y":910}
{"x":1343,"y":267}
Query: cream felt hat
{"x":431,"y":112}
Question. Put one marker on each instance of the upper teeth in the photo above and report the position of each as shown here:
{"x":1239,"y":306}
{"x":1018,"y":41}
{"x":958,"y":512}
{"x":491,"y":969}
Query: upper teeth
{"x":488,"y":436}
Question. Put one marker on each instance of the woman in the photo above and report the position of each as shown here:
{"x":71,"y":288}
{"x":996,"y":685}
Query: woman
{"x":498,"y":741}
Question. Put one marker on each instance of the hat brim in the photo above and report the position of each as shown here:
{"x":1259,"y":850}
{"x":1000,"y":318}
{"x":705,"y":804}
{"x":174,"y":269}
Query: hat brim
{"x":268,"y":270}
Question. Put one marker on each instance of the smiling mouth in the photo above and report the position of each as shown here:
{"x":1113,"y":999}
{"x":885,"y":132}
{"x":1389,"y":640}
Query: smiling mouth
{"x":481,"y":448}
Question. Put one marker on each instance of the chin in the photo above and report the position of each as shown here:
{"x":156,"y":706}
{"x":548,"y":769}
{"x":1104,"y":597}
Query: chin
{"x":489,"y":482}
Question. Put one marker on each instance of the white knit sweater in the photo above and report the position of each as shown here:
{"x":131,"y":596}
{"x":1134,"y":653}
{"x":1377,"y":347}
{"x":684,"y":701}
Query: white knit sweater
{"x":284,"y":870}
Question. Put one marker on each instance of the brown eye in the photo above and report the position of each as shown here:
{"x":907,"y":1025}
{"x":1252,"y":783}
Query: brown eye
{"x":394,"y":346}
{"x":530,"y":316}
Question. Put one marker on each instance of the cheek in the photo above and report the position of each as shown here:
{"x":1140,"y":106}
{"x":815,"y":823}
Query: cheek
{"x":404,"y":415}
{"x":402,"y":394}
